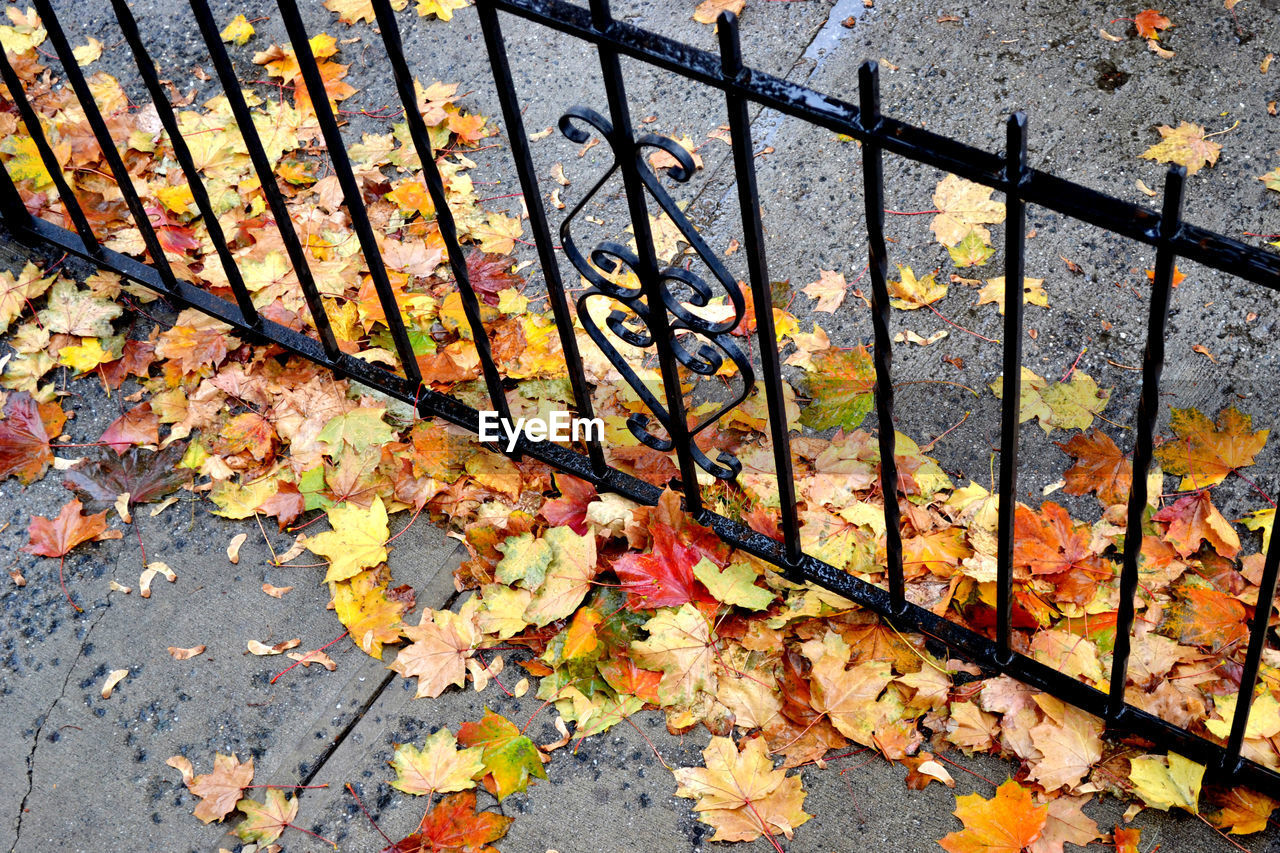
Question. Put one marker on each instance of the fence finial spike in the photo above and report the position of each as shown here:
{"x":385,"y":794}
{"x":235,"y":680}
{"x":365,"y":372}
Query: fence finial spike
{"x":730,"y":44}
{"x":869,"y":94}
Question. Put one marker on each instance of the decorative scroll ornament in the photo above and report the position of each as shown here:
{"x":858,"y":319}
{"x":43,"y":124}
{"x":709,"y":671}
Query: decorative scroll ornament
{"x":696,"y":343}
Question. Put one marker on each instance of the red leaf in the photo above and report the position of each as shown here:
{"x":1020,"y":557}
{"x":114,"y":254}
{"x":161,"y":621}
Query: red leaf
{"x":24,"y":442}
{"x":664,"y":576}
{"x":491,"y":273}
{"x":285,"y":505}
{"x":55,"y":537}
{"x":454,"y":826}
{"x":139,"y":425}
{"x":136,"y":361}
{"x":571,"y":507}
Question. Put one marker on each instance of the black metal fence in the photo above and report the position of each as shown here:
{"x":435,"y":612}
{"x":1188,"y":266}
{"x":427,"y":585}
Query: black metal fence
{"x":666,"y":321}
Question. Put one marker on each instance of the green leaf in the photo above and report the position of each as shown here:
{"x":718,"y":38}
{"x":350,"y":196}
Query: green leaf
{"x":735,"y":585}
{"x":841,"y":385}
{"x":509,"y":756}
{"x":359,"y":428}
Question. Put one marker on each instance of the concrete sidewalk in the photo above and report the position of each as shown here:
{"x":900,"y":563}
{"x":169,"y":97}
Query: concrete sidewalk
{"x":84,"y":773}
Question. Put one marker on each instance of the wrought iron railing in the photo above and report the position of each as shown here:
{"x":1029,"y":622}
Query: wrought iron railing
{"x":662,"y":315}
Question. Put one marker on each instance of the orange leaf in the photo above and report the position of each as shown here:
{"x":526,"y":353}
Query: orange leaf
{"x":454,"y":826}
{"x":1240,"y":810}
{"x":1207,"y":618}
{"x":57,"y":536}
{"x":1126,"y":840}
{"x":1007,"y":823}
{"x":1150,"y":22}
{"x":1100,"y":467}
{"x":1193,"y":518}
{"x":1207,"y":452}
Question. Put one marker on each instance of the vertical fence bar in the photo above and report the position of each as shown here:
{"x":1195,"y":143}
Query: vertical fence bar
{"x":147,"y":68}
{"x":1015,"y":226}
{"x":878,"y":267}
{"x":628,"y":157}
{"x":32,"y":121}
{"x":124,"y":181}
{"x":350,"y":187}
{"x":266,"y":177}
{"x":444,"y":217}
{"x":520,"y":152}
{"x":1253,"y":657}
{"x":758,"y":271}
{"x":1148,"y":411}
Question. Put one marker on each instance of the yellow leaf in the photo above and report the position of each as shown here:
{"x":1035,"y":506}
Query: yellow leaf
{"x":85,"y":356}
{"x":438,"y":767}
{"x":357,"y":540}
{"x":740,"y":793}
{"x":1186,"y":145}
{"x":1033,"y":292}
{"x":238,"y":31}
{"x":178,"y":199}
{"x":88,"y":53}
{"x":363,"y":607}
{"x":964,"y":207}
{"x":911,"y":293}
{"x":1165,"y":783}
{"x":442,"y":9}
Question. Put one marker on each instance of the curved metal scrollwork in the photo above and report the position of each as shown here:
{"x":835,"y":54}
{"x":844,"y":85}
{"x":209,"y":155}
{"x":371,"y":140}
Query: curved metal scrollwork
{"x":698,"y":344}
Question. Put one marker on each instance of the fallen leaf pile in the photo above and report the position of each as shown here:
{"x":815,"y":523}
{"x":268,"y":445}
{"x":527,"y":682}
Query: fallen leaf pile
{"x":612,"y":607}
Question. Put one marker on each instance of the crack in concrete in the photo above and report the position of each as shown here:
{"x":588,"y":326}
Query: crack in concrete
{"x":44,"y":718}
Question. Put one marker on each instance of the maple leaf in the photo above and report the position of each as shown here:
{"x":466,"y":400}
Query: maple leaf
{"x":971,"y":251}
{"x":1007,"y":823}
{"x":16,"y":293}
{"x":1206,"y":618}
{"x":247,"y":432}
{"x":510,"y":758}
{"x":841,"y":385}
{"x":663,"y":577}
{"x":735,"y":585}
{"x":55,"y":537}
{"x":24,"y":440}
{"x":568,"y":577}
{"x":571,"y":507}
{"x":354,"y":11}
{"x":1193,"y":518}
{"x":238,"y":32}
{"x":490,"y":273}
{"x":1069,"y":741}
{"x":1204,"y":452}
{"x":1149,"y":23}
{"x":680,"y":645}
{"x":72,"y":311}
{"x":829,"y":290}
{"x":1066,"y":823}
{"x":220,"y":790}
{"x":1271,"y":180}
{"x":146,"y":475}
{"x":139,"y":425}
{"x":438,"y":766}
{"x":1240,"y":811}
{"x":356,"y":542}
{"x":911,"y":293}
{"x":740,"y":793}
{"x":1166,"y":783}
{"x":964,"y":207}
{"x":1058,"y":405}
{"x":848,"y":696}
{"x":1127,"y":839}
{"x":442,"y":9}
{"x":359,"y":429}
{"x":264,"y":821}
{"x":1186,"y":146}
{"x":1100,"y":467}
{"x":442,"y":642}
{"x":372,"y":616}
{"x":455,"y":826}
{"x":1033,"y":292}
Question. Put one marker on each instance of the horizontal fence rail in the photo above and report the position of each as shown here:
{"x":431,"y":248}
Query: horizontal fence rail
{"x":665,"y":319}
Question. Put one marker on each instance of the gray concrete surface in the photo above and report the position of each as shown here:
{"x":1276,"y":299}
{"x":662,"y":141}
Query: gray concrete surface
{"x":82,"y":773}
